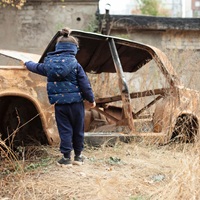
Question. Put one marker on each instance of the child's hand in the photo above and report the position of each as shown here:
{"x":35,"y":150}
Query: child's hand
{"x":92,"y":105}
{"x":89,"y":105}
{"x":22,"y":64}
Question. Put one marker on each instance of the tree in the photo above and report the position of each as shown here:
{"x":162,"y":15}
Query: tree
{"x":149,"y":7}
{"x":152,"y":7}
{"x":14,"y":3}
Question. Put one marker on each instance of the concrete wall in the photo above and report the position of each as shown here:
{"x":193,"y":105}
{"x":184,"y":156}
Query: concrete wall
{"x":31,"y":28}
{"x":182,"y":49}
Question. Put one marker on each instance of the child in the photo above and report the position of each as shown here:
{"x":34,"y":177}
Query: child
{"x":67,"y":87}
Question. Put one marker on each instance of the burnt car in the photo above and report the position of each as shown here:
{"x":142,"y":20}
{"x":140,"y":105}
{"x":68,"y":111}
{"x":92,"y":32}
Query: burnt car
{"x":138,"y":95}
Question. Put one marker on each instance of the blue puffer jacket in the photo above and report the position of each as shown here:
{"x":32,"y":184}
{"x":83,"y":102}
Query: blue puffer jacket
{"x":66,"y":79}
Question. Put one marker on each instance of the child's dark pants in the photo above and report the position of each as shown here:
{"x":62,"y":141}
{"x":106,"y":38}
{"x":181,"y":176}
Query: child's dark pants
{"x":70,"y":123}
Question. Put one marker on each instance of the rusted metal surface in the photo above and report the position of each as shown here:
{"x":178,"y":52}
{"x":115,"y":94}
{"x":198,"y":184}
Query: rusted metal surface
{"x":98,"y":54}
{"x":122,"y":85}
{"x":21,"y":83}
{"x":21,"y":56}
{"x":133,"y":95}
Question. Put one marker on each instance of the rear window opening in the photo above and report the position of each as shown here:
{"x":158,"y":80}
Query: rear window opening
{"x":20,"y":123}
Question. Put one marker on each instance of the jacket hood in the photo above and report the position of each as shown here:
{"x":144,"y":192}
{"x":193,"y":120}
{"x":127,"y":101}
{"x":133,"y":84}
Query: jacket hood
{"x":65,"y":47}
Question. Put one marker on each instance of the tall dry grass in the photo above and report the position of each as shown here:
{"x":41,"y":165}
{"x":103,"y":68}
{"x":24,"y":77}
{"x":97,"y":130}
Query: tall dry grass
{"x":8,"y":158}
{"x":184,"y":182}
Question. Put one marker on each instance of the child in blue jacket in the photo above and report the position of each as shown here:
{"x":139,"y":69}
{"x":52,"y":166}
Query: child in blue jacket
{"x":67,"y":87}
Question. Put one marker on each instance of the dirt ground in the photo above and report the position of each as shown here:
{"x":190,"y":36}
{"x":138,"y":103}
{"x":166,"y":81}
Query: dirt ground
{"x":125,"y":171}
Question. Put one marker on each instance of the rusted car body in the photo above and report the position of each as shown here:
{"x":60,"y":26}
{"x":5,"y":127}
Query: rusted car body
{"x":171,"y":111}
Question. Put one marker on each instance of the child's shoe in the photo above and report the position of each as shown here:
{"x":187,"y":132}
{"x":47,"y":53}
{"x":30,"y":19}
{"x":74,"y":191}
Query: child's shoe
{"x":64,"y":162}
{"x":78,"y":160}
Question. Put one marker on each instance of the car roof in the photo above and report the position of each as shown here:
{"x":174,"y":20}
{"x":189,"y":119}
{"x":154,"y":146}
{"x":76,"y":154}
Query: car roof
{"x":95,"y":55}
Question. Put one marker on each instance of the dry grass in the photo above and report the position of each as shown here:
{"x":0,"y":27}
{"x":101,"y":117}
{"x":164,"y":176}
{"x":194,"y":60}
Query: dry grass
{"x":124,"y":171}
